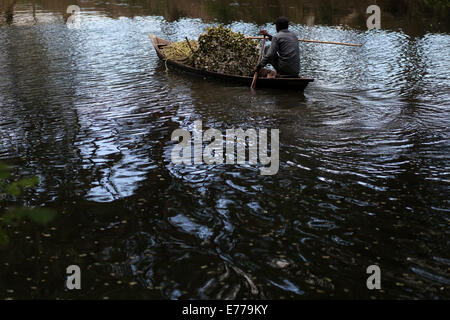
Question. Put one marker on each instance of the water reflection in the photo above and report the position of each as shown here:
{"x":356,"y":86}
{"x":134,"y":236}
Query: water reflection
{"x":363,"y":179}
{"x":414,"y":17}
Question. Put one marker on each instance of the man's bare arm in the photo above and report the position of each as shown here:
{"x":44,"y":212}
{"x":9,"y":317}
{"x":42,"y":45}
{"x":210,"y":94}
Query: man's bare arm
{"x":266,"y":34}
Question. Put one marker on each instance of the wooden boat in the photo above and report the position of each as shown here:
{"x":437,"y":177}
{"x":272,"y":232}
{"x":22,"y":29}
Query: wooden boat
{"x":282,"y":83}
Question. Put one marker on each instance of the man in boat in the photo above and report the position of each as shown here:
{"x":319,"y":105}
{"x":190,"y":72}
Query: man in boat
{"x":283,"y":54}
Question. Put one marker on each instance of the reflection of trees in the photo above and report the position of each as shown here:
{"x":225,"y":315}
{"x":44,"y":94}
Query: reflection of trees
{"x":9,"y":12}
{"x":46,"y":123}
{"x":411,"y":16}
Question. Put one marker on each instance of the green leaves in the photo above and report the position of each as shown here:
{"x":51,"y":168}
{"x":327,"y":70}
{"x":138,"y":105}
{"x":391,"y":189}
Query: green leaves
{"x":38,"y":215}
{"x":41,"y":216}
{"x":222,"y":50}
{"x":4,"y":172}
{"x":4,"y":239}
{"x":28,"y":182}
{"x":15,"y":188}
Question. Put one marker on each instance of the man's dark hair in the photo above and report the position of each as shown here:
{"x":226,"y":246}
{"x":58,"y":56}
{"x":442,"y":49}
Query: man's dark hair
{"x":282,"y":23}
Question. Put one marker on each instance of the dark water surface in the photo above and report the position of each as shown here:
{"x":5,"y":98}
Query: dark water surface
{"x":364,"y":175}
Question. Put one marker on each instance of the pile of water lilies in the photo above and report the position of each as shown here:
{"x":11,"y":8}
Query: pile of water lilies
{"x":218,"y":50}
{"x":222,"y":50}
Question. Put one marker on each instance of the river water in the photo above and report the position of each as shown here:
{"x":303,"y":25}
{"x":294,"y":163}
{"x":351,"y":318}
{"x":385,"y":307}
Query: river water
{"x":364,"y":155}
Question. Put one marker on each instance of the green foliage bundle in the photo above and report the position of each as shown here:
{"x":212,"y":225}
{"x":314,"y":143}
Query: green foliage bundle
{"x":222,"y":50}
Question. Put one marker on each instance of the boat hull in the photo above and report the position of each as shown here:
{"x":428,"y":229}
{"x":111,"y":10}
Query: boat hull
{"x":281,"y":83}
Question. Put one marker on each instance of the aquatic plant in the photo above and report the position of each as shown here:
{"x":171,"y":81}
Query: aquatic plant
{"x":222,"y":50}
{"x":13,"y":216}
{"x":180,"y":51}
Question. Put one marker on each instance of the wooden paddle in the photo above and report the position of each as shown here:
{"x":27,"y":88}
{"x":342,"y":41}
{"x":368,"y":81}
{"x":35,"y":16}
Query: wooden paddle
{"x":189,"y":44}
{"x":317,"y":41}
{"x":255,"y":77}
